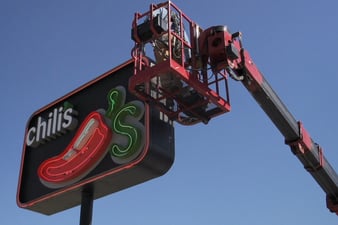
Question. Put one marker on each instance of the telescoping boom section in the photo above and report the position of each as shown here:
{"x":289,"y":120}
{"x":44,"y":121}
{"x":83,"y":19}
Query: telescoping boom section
{"x":184,"y":71}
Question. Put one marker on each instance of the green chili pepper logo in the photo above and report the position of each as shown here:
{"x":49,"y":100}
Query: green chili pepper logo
{"x":128,"y":130}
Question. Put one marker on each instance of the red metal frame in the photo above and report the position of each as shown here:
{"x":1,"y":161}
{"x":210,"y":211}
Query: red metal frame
{"x":210,"y":86}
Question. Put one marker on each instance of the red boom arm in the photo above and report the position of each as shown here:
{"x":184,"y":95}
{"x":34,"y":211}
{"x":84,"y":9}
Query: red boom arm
{"x":296,"y":136}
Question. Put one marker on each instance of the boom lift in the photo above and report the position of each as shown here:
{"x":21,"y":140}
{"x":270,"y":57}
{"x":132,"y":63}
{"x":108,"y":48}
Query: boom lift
{"x":186,"y":76}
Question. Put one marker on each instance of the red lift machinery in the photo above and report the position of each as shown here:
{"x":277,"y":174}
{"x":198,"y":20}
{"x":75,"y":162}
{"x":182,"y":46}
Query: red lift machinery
{"x":184,"y":71}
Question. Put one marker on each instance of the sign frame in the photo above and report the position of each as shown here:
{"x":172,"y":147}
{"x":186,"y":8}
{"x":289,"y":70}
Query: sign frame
{"x":155,"y":159}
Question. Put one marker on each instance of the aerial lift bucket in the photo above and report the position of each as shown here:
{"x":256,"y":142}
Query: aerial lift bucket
{"x":169,"y":71}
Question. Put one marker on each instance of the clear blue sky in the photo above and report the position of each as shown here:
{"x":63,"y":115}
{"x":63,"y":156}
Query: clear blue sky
{"x":235,"y":170}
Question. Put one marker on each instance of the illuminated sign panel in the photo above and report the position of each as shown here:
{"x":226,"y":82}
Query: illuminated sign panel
{"x":98,"y":136}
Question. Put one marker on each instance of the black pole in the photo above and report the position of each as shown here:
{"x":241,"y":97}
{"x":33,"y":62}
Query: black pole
{"x":86,"y":207}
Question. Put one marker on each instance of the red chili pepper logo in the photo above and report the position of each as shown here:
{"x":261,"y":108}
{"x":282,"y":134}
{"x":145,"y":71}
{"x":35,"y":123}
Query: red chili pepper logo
{"x":84,"y":152}
{"x":118,"y":131}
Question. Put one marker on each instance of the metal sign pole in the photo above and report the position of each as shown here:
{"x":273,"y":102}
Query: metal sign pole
{"x":86,"y":207}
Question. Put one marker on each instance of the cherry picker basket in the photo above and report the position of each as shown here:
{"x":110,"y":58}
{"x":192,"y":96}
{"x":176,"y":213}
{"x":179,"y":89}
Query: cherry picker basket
{"x":169,"y":71}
